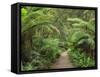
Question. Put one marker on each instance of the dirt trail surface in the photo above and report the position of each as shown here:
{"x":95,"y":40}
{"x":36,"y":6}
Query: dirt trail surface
{"x":62,"y":62}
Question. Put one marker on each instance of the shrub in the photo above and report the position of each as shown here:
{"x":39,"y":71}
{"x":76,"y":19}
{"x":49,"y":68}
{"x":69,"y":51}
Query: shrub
{"x":80,"y":59}
{"x":44,"y":52}
{"x":50,"y":48}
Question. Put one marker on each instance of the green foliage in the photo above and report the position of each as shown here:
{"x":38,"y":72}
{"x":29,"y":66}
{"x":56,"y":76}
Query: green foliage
{"x":77,"y":36}
{"x":50,"y":48}
{"x":82,"y":43}
{"x":46,"y":31}
{"x":43,"y":53}
{"x":32,"y":19}
{"x":87,"y":26}
{"x":24,"y":11}
{"x":80,"y":59}
{"x":86,"y":32}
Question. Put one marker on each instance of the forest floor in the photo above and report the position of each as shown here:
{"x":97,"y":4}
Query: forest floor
{"x":62,"y":62}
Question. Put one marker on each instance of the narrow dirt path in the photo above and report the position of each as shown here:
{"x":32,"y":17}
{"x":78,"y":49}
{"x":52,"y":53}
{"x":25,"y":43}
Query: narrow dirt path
{"x":62,"y":62}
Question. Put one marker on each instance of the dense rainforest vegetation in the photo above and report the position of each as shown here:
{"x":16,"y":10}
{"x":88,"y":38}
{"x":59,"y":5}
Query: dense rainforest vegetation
{"x":47,"y":32}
